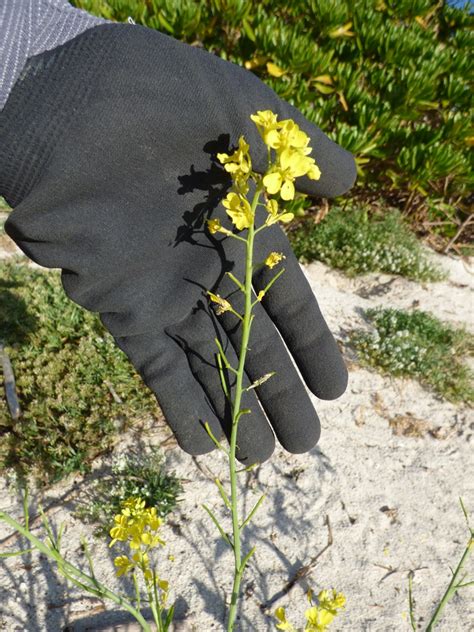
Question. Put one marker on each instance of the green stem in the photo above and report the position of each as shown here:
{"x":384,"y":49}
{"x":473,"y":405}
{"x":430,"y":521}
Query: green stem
{"x":74,"y":574}
{"x":155,"y":606}
{"x":239,"y":566}
{"x":452,"y":588}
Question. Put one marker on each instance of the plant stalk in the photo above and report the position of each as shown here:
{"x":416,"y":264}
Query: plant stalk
{"x":239,"y":566}
{"x":74,"y":574}
{"x":452,"y":588}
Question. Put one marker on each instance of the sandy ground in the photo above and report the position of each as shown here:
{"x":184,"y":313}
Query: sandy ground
{"x":392,"y":462}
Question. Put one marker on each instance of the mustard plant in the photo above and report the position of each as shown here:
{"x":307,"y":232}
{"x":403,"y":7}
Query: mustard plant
{"x":288,"y":158}
{"x":137,"y":526}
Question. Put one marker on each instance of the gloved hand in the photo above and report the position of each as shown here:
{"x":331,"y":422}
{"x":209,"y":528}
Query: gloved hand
{"x":107,"y":154}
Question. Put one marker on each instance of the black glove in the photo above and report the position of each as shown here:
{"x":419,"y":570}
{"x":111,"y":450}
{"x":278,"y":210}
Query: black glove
{"x":108,"y":155}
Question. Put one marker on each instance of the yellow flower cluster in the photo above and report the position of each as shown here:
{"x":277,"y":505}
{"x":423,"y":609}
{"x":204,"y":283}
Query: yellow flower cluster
{"x":290,"y":145}
{"x":239,"y":165}
{"x":292,"y":149}
{"x":137,"y":525}
{"x":319,"y":616}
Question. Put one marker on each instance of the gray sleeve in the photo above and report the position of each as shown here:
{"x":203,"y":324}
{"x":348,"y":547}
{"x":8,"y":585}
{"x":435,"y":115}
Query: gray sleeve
{"x":30,"y":27}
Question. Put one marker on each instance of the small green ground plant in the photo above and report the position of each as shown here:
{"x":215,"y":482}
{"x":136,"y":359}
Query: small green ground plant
{"x":357,"y":242}
{"x":418,"y":345}
{"x":72,"y":381}
{"x":140,"y":474}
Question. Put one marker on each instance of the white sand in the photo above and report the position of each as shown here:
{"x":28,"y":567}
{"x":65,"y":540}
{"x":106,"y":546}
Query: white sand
{"x":392,"y":501}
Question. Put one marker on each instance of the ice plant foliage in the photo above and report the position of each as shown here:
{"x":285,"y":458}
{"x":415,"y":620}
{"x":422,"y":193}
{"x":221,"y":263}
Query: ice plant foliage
{"x":318,"y":616}
{"x":289,"y":158}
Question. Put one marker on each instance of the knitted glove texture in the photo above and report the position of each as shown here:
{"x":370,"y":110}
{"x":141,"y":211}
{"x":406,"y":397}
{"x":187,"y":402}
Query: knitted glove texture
{"x":29,"y":27}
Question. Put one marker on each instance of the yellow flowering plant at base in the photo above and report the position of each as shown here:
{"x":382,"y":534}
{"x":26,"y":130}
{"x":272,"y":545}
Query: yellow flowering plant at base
{"x":318,"y":616}
{"x":288,"y":158}
{"x":136,"y":526}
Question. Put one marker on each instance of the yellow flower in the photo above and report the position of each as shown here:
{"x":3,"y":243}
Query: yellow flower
{"x":240,"y":184}
{"x":280,"y":135}
{"x":141,"y":558}
{"x":224,"y":305}
{"x":239,"y":163}
{"x":264,"y":119}
{"x":267,"y":125}
{"x":292,"y":148}
{"x":331,"y":600}
{"x":239,"y":210}
{"x":317,"y":619}
{"x":291,"y":164}
{"x":320,"y":616}
{"x":138,"y":526}
{"x":272,"y":207}
{"x":163,"y":584}
{"x":314,"y":172}
{"x":274,"y":216}
{"x":274,"y":259}
{"x":295,"y":163}
{"x":120,"y":531}
{"x":152,"y":520}
{"x":133,"y":507}
{"x":214,"y":226}
{"x":123,"y":565}
{"x":284,"y":623}
{"x":288,"y":136}
{"x":279,"y":182}
{"x":150,"y":540}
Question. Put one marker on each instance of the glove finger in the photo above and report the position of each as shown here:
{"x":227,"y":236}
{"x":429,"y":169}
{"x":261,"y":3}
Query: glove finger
{"x":283,"y":395}
{"x":195,"y":335}
{"x":165,"y":371}
{"x":294,"y":310}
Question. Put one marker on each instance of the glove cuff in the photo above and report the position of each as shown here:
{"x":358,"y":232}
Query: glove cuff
{"x":52,"y":88}
{"x":30,"y":27}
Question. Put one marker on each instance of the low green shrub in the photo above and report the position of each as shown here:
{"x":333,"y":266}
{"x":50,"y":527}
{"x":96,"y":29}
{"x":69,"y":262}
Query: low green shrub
{"x":418,"y":345}
{"x":63,"y":359}
{"x":356,"y":243}
{"x":139,"y":474}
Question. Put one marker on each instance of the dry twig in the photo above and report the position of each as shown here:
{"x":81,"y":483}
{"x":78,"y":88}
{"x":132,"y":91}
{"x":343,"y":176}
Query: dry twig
{"x":9,"y":383}
{"x":302,"y":572}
